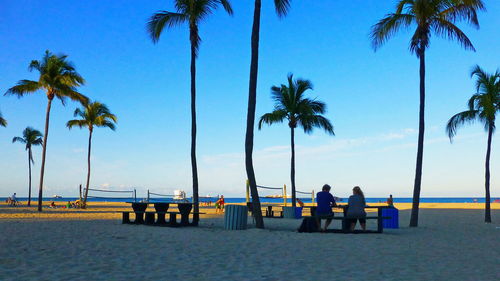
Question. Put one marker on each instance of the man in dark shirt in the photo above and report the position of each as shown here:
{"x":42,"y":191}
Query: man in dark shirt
{"x":325,"y":202}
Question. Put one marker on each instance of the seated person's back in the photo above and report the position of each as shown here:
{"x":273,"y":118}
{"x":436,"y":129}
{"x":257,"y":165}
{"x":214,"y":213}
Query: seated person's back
{"x":325,"y":201}
{"x":356,"y":207}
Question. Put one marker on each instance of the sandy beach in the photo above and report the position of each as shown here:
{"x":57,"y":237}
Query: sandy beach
{"x":451,"y":243}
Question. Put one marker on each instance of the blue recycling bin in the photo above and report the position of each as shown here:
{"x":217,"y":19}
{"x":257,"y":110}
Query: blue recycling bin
{"x":292,"y":212}
{"x":393,"y":221}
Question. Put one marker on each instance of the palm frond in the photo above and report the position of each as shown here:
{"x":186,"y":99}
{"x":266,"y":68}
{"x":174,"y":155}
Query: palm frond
{"x":467,"y":11}
{"x":459,"y":119}
{"x":23,"y":87}
{"x":227,"y":6}
{"x":19,"y":139}
{"x":277,"y":116}
{"x":450,"y":31}
{"x":309,"y":122}
{"x":388,"y":27}
{"x":76,"y":123}
{"x":282,"y":7}
{"x":3,"y":122}
{"x":159,"y":20}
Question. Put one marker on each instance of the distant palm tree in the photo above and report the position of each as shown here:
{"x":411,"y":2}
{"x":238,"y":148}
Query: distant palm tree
{"x":3,"y":122}
{"x":191,"y":12}
{"x":58,"y":79}
{"x":292,"y":105}
{"x":30,"y":138}
{"x":282,"y":7}
{"x":92,"y":115}
{"x":483,"y":107}
{"x":430,"y":17}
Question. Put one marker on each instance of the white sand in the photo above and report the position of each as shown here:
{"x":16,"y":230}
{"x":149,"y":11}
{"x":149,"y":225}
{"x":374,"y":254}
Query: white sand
{"x":448,"y":245}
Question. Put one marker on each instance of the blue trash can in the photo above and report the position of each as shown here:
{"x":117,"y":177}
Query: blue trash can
{"x":393,"y":222}
{"x":235,"y":217}
{"x":298,"y":212}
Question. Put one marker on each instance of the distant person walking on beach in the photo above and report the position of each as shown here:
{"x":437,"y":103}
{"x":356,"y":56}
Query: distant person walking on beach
{"x":356,"y":208}
{"x":390,"y":200}
{"x":325,"y":203}
{"x":219,"y":205}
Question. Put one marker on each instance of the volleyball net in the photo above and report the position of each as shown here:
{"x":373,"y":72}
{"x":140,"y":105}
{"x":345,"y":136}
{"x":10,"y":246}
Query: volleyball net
{"x":100,"y":194}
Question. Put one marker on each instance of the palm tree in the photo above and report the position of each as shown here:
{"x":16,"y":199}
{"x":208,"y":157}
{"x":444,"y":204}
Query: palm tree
{"x":436,"y":17}
{"x":191,"y":12}
{"x":3,"y":122}
{"x":30,"y":138}
{"x":282,"y":7}
{"x":292,"y":105}
{"x":58,"y":79}
{"x":483,"y":107}
{"x":92,"y":115}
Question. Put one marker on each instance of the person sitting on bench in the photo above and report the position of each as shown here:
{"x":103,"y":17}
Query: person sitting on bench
{"x":356,"y":208}
{"x":325,"y":203}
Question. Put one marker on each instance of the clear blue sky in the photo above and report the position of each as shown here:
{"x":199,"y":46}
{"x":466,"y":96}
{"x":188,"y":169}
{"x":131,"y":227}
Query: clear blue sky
{"x":372,"y":99}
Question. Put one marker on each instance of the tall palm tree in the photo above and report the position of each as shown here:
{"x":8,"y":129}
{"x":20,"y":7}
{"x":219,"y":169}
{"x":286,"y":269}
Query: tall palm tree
{"x":292,"y":105}
{"x":436,"y":17}
{"x":3,"y":122}
{"x":58,"y":79}
{"x":92,"y":115}
{"x":191,"y":12}
{"x":282,"y":7}
{"x":483,"y":107}
{"x":31,"y":137}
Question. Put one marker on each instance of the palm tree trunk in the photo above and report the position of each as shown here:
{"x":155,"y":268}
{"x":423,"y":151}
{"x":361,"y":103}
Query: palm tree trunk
{"x":292,"y":172}
{"x":44,"y":151}
{"x":88,"y":170}
{"x":252,"y":101}
{"x":420,"y":146}
{"x":194,"y":167}
{"x":487,"y":210}
{"x":29,"y":183}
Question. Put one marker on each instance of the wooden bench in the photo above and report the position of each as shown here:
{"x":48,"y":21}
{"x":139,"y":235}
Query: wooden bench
{"x":270,"y":212}
{"x":346,"y":227}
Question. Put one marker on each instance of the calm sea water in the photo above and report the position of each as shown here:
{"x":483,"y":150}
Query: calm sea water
{"x":274,"y":200}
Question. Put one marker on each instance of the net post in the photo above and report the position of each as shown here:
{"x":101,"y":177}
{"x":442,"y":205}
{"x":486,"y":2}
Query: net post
{"x":148,"y":195}
{"x":284,"y":194}
{"x":135,"y":195}
{"x":312,"y":196}
{"x":248,"y":191}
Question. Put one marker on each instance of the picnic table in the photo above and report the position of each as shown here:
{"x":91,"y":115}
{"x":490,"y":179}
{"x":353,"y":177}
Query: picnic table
{"x":161,"y":209}
{"x":345,"y":226}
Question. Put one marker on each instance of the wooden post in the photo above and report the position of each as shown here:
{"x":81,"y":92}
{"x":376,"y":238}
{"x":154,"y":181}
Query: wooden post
{"x":312,"y":196}
{"x":248,"y":191}
{"x":135,"y":195}
{"x":284,"y":193}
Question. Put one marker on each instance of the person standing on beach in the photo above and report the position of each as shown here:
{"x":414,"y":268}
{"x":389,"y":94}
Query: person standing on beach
{"x":356,"y":208}
{"x":390,"y":200}
{"x":325,"y":203}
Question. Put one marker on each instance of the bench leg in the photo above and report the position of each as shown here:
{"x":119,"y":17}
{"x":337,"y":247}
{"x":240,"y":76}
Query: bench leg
{"x":172,"y":221}
{"x":380,"y":226}
{"x":196,"y":219}
{"x":185,"y":219}
{"x":150,"y":218}
{"x":125,"y":217}
{"x":139,"y":218}
{"x":161,"y":219}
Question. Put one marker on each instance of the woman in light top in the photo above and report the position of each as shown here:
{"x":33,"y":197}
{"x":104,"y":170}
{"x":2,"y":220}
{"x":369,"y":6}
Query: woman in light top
{"x":356,"y":209}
